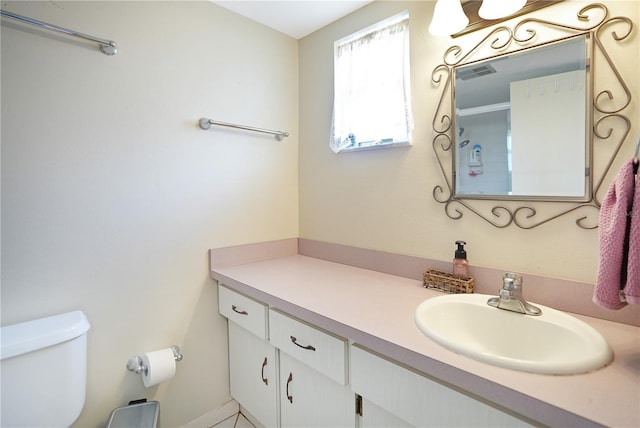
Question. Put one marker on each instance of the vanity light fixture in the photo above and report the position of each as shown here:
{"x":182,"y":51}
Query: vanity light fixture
{"x":449,"y":17}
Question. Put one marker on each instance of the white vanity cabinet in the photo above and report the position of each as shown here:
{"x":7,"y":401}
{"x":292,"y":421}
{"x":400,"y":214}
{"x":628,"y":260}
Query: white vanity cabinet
{"x":288,"y":373}
{"x":284,"y":372}
{"x":417,"y":400}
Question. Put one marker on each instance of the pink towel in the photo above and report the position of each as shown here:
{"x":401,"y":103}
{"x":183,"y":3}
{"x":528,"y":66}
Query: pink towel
{"x":632,"y":288}
{"x":612,"y":230}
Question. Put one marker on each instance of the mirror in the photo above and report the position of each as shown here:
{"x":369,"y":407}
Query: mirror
{"x":548,"y":166}
{"x":521,"y":124}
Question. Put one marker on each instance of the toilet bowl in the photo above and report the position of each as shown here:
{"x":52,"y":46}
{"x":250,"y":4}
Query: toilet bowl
{"x":44,"y":371}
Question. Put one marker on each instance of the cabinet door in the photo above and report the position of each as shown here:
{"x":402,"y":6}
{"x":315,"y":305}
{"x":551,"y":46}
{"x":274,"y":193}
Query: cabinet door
{"x":310,"y":399}
{"x":376,"y":417}
{"x":421,"y":401}
{"x":253,"y":374}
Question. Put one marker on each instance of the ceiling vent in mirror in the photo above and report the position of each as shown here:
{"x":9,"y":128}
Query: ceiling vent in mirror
{"x":473,"y":72}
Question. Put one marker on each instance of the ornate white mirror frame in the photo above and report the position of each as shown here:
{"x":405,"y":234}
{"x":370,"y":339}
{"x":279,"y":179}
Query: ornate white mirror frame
{"x":606,"y":114}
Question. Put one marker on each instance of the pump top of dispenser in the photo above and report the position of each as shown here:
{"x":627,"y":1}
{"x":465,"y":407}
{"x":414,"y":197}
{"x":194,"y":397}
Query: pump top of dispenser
{"x":460,"y":252}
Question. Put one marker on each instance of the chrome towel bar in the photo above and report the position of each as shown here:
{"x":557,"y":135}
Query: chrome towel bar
{"x":206,"y":124}
{"x":107,"y":47}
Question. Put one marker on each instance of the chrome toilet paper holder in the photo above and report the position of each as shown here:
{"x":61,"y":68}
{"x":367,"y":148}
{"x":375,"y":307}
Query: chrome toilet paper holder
{"x":135,"y":363}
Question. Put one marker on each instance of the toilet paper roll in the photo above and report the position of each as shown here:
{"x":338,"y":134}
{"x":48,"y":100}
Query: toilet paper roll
{"x":161,"y":366}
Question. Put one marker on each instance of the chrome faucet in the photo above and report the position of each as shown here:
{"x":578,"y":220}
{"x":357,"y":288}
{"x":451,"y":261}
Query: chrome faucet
{"x":510,"y":296}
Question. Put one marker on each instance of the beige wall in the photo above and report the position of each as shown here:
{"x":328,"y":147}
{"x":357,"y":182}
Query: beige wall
{"x":383,"y":199}
{"x":112,"y":195}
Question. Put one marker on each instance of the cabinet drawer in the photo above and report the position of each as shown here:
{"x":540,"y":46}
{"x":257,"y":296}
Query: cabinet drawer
{"x":318,"y":349}
{"x":245,"y":312}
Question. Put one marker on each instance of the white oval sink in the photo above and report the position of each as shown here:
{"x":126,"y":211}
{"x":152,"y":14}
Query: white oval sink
{"x":552,"y":343}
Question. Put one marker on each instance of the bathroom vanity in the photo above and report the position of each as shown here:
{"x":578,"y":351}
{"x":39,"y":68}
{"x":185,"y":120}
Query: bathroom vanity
{"x":314,"y":342}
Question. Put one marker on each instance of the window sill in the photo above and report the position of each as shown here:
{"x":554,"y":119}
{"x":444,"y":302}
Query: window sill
{"x":375,"y":146}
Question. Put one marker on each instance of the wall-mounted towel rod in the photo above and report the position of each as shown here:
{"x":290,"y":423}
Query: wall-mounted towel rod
{"x":107,"y":47}
{"x":206,"y":124}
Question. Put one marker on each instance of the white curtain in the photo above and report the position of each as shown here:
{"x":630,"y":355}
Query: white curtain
{"x":372,"y":103}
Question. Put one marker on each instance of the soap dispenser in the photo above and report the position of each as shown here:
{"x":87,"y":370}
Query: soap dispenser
{"x":460,"y":262}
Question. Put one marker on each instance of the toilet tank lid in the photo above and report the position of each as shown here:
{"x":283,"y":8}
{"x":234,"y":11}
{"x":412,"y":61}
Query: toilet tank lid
{"x":29,"y":336}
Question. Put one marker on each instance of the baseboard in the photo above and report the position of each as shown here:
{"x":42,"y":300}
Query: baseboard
{"x":215,"y":416}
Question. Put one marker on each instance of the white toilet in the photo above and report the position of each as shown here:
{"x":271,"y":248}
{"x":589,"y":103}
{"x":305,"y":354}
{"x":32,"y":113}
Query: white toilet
{"x":44,"y":371}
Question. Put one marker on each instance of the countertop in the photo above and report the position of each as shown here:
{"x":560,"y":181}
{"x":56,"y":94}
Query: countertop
{"x":376,"y":311}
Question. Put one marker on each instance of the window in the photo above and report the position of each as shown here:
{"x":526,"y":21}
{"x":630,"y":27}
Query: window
{"x":372,"y":103}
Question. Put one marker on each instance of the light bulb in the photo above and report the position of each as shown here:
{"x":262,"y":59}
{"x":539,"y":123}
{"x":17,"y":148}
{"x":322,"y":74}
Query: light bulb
{"x":496,"y":9}
{"x":448,"y":18}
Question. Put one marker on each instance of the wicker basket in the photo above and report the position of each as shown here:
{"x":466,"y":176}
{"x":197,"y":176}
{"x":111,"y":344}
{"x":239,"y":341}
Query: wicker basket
{"x":447,"y":282}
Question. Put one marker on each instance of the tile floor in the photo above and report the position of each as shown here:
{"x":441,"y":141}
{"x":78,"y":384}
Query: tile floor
{"x":236,"y":421}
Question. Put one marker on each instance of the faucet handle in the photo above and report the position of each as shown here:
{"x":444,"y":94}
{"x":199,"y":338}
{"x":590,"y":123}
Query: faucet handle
{"x":507,"y":284}
{"x":511,"y":281}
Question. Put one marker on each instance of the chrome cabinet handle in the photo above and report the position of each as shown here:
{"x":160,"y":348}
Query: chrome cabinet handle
{"x":264,"y":379}
{"x":308,"y":347}
{"x":289,"y":397}
{"x":235,"y":309}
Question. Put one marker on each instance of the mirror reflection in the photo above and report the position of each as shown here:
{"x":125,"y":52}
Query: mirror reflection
{"x":521,"y":122}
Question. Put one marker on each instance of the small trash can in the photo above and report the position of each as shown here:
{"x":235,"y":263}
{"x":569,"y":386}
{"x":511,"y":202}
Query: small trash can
{"x":136,"y":415}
